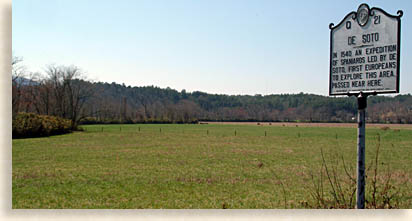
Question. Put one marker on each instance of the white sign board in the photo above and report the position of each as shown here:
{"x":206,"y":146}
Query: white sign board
{"x":364,"y":53}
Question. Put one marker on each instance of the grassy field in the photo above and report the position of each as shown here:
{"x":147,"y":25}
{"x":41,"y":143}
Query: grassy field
{"x":194,"y":166}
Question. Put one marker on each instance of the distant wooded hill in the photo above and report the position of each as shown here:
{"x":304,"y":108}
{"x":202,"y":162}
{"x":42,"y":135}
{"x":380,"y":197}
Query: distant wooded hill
{"x":120,"y":103}
{"x":65,"y":96}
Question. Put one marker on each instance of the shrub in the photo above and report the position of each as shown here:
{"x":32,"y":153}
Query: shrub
{"x":33,"y":125}
{"x":385,"y":128}
{"x":90,"y":120}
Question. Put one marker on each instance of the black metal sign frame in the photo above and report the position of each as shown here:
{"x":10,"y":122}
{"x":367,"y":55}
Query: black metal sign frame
{"x":355,"y":16}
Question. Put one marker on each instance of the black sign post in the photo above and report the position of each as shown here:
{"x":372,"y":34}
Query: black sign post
{"x":364,"y":60}
{"x":360,"y":190}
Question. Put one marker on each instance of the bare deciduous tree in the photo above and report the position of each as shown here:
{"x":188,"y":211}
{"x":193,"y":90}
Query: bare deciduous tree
{"x":18,"y":74}
{"x":70,"y":92}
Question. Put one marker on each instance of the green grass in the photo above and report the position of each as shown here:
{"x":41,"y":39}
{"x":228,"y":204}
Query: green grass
{"x":190,"y":166}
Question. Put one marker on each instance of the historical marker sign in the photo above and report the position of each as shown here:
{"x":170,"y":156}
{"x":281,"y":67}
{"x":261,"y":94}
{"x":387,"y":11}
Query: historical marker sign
{"x":364,"y":60}
{"x":364,"y":53}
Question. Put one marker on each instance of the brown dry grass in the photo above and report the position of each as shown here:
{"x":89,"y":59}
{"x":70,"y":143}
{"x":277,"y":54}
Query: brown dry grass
{"x":291,"y":124}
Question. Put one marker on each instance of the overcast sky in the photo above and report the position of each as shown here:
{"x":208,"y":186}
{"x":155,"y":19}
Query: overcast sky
{"x":223,"y":46}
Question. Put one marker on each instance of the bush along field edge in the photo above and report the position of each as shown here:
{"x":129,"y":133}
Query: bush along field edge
{"x":25,"y":125}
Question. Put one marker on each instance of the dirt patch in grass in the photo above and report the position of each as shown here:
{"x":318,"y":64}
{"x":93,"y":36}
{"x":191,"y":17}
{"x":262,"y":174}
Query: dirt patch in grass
{"x":248,"y":152}
{"x":35,"y":175}
{"x":288,"y":150}
{"x":197,"y":180}
{"x":234,"y":180}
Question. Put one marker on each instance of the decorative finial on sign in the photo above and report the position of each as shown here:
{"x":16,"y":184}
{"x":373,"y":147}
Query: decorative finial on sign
{"x":400,"y":13}
{"x":362,"y":15}
{"x":331,"y":25}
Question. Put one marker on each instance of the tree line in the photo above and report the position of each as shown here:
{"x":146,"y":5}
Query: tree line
{"x":65,"y":92}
